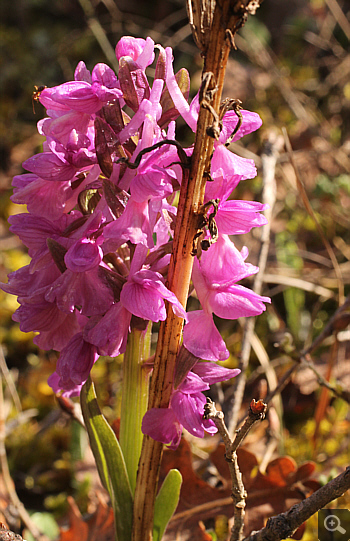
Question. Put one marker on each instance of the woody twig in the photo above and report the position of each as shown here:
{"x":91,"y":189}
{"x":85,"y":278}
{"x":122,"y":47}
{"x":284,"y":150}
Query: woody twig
{"x":284,"y":525}
{"x":257,"y":412}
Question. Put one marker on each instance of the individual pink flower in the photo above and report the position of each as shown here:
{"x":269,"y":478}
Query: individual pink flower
{"x":44,"y":199}
{"x":109,"y":333}
{"x":186,"y":406}
{"x":73,"y":366}
{"x":140,"y":50}
{"x":144,"y":294}
{"x":214,"y":278}
{"x":82,"y":284}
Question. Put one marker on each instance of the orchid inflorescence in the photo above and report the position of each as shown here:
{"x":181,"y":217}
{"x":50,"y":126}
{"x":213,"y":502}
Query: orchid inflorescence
{"x":101,"y":213}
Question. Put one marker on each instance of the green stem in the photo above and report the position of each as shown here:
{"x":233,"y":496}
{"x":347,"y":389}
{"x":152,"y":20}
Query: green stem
{"x":134,"y":398}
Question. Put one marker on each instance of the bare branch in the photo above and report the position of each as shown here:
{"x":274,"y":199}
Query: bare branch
{"x":337,"y":391}
{"x":257,"y":412}
{"x":285,"y":524}
{"x":8,"y":535}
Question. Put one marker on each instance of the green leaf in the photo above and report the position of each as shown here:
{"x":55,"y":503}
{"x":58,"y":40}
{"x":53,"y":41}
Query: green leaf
{"x":109,"y":460}
{"x":46,"y":524}
{"x":166,"y":503}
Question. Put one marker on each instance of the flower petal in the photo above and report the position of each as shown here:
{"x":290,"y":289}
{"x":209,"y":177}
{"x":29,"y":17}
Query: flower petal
{"x":202,"y":338}
{"x":162,"y":425}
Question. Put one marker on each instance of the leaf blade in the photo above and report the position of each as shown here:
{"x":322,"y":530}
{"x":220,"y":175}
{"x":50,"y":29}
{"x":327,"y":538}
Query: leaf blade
{"x":166,"y":503}
{"x":109,"y":460}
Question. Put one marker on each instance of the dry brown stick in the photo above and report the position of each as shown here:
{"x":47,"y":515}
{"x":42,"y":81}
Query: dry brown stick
{"x":9,"y":381}
{"x":283,"y":382}
{"x":32,"y":527}
{"x":8,"y":535}
{"x":269,"y":157}
{"x":307,"y":361}
{"x":227,"y":18}
{"x":339,"y":392}
{"x":327,"y":331}
{"x":284,"y":525}
{"x":257,"y":412}
{"x":99,"y":32}
{"x":339,"y":16}
{"x":314,"y":218}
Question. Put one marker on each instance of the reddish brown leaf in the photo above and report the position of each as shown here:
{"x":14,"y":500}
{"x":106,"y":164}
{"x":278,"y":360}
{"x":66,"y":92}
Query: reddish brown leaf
{"x":305,"y":471}
{"x":300,"y":532}
{"x":194,"y":490}
{"x":277,"y":473}
{"x":268,"y":494}
{"x":78,"y":529}
{"x":99,"y":527}
{"x":247,"y":461}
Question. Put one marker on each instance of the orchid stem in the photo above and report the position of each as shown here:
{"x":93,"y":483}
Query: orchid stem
{"x":134,"y":398}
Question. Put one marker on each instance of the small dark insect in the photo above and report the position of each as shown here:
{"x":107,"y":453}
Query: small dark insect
{"x":36,"y":94}
{"x":209,"y":223}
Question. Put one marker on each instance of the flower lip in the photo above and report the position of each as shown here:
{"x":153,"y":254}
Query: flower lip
{"x":83,"y":256}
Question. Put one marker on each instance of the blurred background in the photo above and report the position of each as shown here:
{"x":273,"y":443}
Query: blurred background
{"x":292,"y":66}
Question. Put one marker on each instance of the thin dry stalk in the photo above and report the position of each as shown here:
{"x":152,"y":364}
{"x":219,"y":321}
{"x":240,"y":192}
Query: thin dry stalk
{"x":257,"y":412}
{"x":9,"y":381}
{"x":8,"y":479}
{"x":339,"y":319}
{"x":331,"y":326}
{"x":337,"y":391}
{"x":227,"y":18}
{"x":339,"y":16}
{"x":310,"y":211}
{"x":99,"y":32}
{"x":269,"y":157}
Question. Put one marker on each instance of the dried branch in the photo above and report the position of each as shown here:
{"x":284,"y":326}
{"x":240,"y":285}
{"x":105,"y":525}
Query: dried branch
{"x":338,"y":321}
{"x":283,"y":382}
{"x":284,"y":525}
{"x":257,"y":412}
{"x":337,"y":391}
{"x":8,"y":535}
{"x":9,"y":381}
{"x":339,"y":16}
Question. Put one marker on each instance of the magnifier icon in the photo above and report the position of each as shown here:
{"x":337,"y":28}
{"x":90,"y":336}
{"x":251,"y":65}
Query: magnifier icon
{"x":332,"y":524}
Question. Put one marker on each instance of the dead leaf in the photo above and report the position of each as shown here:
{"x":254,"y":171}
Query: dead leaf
{"x":98,"y":527}
{"x":283,"y":485}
